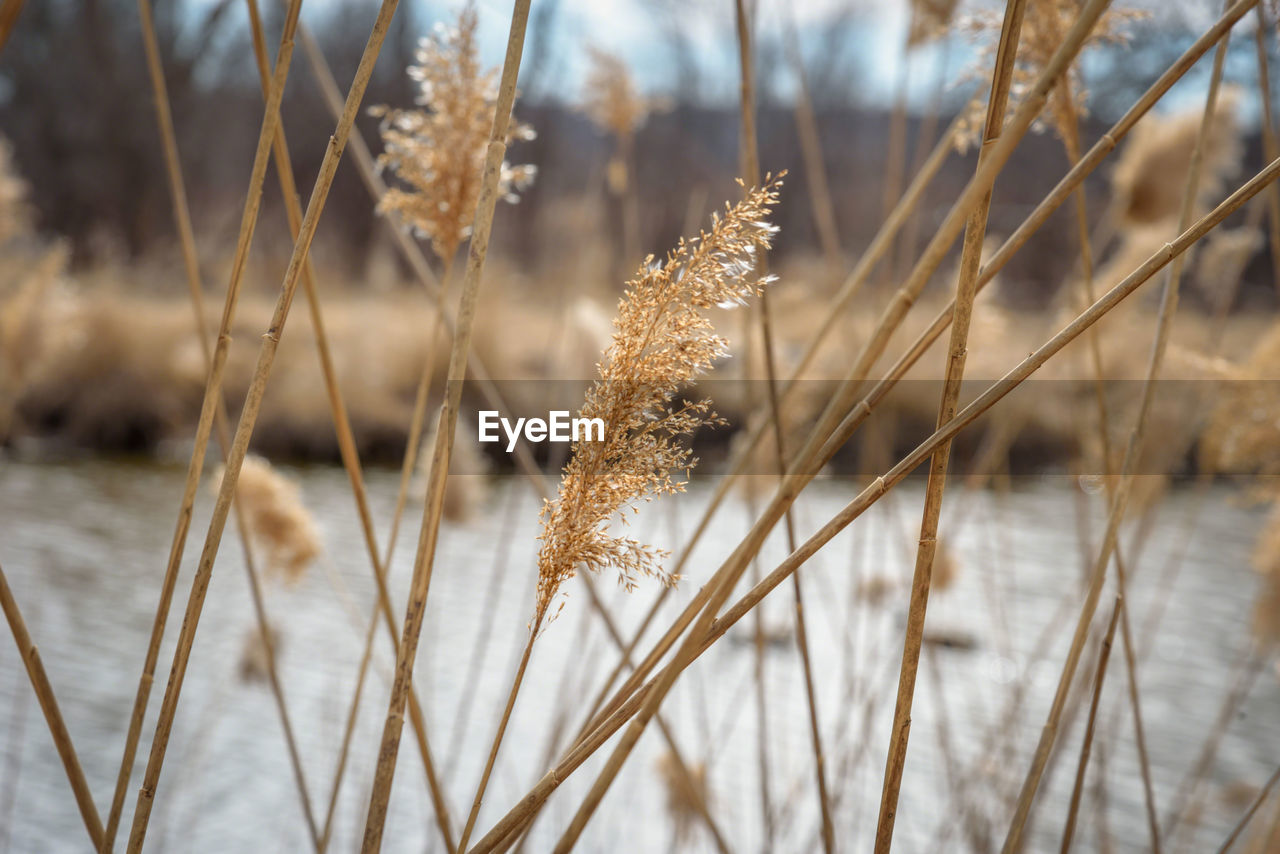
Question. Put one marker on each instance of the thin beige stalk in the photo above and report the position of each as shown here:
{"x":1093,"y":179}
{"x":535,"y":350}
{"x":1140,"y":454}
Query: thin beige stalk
{"x":212,"y":405}
{"x":815,"y":168}
{"x":1258,"y":801}
{"x":1099,"y":676}
{"x":253,"y":401}
{"x":1071,"y":142}
{"x":1119,"y":501}
{"x":632,"y":704}
{"x":497,"y":738}
{"x":751,"y":174}
{"x":1270,"y":148}
{"x":1183,"y":800}
{"x":52,"y":715}
{"x":448,"y":420}
{"x":966,"y":290}
{"x":186,"y":236}
{"x":350,"y":457}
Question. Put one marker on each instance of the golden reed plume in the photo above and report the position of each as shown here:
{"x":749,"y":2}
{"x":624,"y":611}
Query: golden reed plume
{"x":438,"y":152}
{"x":662,"y":342}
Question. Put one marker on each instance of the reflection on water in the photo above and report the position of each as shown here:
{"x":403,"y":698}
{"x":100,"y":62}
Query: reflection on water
{"x":84,"y":546}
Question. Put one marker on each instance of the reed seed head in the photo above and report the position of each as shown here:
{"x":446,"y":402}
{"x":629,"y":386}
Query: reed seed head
{"x":277,"y":519}
{"x":662,"y":342}
{"x":437,"y":152}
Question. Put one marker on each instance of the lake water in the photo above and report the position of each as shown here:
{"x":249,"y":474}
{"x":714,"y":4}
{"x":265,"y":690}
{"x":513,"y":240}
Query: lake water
{"x":84,"y":546}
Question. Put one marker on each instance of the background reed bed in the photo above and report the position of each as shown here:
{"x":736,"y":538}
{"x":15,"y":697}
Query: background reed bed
{"x":1081,"y":194}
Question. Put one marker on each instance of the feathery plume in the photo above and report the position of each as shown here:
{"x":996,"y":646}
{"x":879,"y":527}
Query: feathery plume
{"x":254,"y":665}
{"x":612,"y":103}
{"x":278,"y":522}
{"x":662,"y":342}
{"x":930,"y":20}
{"x":1044,"y":26}
{"x":610,"y":98}
{"x":684,"y":791}
{"x":437,"y":152}
{"x":1160,"y":146}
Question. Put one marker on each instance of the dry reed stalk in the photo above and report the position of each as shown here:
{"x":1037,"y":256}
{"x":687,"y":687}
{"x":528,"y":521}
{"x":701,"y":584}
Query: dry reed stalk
{"x":17,"y":725}
{"x":53,"y":716}
{"x":1069,"y":131}
{"x":268,"y":509}
{"x":253,"y":400}
{"x":487,"y":199}
{"x":437,"y":154}
{"x":1270,"y":147}
{"x":1249,"y":813}
{"x":853,"y":283}
{"x":1183,"y":803}
{"x":351,"y":462}
{"x":1099,"y":675}
{"x":212,"y":408}
{"x":815,"y":168}
{"x":1119,"y":500}
{"x":966,"y":290}
{"x":632,"y":704}
{"x":751,"y":172}
{"x":1034,"y":221}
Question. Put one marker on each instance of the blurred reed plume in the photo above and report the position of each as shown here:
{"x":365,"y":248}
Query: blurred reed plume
{"x":1160,"y":146}
{"x":255,"y":658}
{"x":662,"y":343}
{"x":437,"y":152}
{"x":1266,"y":612}
{"x":930,"y":19}
{"x":1241,"y":435}
{"x":1044,"y":27}
{"x":946,"y":569}
{"x":468,"y":483}
{"x":277,"y":519}
{"x":613,"y":104}
{"x":684,"y":793}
